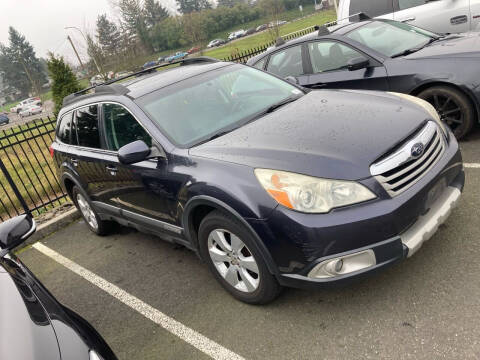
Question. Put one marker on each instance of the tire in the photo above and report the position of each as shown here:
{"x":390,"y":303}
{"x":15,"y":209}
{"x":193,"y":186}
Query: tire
{"x":254,"y":283}
{"x":92,"y":219}
{"x":453,"y":106}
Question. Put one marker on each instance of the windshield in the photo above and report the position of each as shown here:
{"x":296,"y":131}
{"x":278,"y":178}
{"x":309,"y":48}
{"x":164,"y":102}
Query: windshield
{"x":390,"y":37}
{"x":198,"y":108}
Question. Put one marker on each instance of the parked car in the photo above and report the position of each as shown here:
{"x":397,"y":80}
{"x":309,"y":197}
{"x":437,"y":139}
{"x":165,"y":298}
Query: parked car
{"x":216,"y":42}
{"x":271,"y":184}
{"x":441,"y":16}
{"x":236,"y":34}
{"x":262,"y":27}
{"x":161,"y":59}
{"x":387,"y":55}
{"x":4,"y":120}
{"x":149,"y":64}
{"x":193,"y":49}
{"x":177,"y":56}
{"x":276,"y":23}
{"x":122,"y":74}
{"x":31,"y":110}
{"x":26,"y":103}
{"x":96,"y":80}
{"x":34,"y":324}
{"x":250,"y":31}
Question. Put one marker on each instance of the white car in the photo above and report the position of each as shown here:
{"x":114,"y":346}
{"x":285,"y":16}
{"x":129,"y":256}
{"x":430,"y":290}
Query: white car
{"x":440,"y":16}
{"x":26,"y":103}
{"x":96,"y":80}
{"x":237,"y":34}
{"x":276,"y":23}
{"x":31,"y":110}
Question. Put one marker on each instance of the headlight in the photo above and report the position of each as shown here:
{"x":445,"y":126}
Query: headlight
{"x":310,"y":194}
{"x":427,"y":106}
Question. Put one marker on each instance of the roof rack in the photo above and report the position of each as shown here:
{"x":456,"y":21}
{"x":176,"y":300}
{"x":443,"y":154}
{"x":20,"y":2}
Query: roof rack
{"x":353,"y":18}
{"x":110,"y":87}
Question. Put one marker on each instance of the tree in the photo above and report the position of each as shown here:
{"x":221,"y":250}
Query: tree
{"x":154,"y":12}
{"x":107,"y":35}
{"x":133,"y":21}
{"x":228,"y":3}
{"x":273,"y":9}
{"x":64,"y":81}
{"x":22,"y":69}
{"x":188,"y":6}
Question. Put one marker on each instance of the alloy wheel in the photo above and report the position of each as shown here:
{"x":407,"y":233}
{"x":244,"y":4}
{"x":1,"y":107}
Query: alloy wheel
{"x":233,"y":260}
{"x":87,"y":211}
{"x":448,"y":109}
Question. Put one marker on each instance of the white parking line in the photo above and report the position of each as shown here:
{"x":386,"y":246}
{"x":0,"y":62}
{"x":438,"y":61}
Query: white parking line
{"x":472,"y":165}
{"x":202,"y":343}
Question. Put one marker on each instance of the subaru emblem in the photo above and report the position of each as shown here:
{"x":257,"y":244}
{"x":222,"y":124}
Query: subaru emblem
{"x":417,"y":150}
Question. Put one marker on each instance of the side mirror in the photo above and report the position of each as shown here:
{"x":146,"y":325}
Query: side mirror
{"x":15,"y":231}
{"x":292,"y":80}
{"x":133,"y":153}
{"x":357,"y":63}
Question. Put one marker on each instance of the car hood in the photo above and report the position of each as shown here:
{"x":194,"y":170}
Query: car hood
{"x":465,"y":45}
{"x":26,"y":330}
{"x":326,"y":133}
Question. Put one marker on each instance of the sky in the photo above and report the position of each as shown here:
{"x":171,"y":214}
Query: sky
{"x":43,"y":23}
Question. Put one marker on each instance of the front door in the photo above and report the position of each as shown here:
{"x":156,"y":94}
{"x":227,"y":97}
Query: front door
{"x":144,"y":191}
{"x":328,"y":60}
{"x":441,"y":16}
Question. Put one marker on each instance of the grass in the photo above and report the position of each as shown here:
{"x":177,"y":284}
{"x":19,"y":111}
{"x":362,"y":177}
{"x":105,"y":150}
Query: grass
{"x":265,"y":37}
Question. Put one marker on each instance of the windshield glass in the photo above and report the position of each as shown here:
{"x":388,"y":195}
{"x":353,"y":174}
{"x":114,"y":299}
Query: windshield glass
{"x":196,"y":109}
{"x":391,"y":37}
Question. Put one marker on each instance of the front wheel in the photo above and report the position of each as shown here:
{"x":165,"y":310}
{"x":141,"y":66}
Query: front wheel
{"x":231,"y":253}
{"x":453,"y":107}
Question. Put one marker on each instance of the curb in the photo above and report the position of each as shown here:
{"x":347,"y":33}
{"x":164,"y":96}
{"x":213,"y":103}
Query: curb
{"x":52,"y":226}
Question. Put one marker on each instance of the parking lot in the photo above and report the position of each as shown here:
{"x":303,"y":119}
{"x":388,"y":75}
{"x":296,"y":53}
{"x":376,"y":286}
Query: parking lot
{"x":422,"y":308}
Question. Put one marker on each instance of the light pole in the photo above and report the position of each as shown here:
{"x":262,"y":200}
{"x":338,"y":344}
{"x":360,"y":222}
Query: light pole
{"x":86,"y":42}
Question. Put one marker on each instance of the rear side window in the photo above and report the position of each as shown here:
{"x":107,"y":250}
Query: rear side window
{"x":287,"y":62}
{"x":86,"y":120}
{"x":121,"y":128}
{"x":330,"y":55}
{"x":371,"y":8}
{"x":65,"y":128}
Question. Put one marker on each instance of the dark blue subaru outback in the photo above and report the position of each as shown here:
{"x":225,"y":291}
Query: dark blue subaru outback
{"x":271,"y":184}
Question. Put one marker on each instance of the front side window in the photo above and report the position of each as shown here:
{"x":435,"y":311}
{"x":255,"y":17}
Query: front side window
{"x":330,"y":55}
{"x":407,"y":4}
{"x":261,"y":64}
{"x":194,"y":110}
{"x":86,"y":120}
{"x":65,"y":128}
{"x":287,"y":62}
{"x":121,"y":128}
{"x":371,"y":8}
{"x":391,"y":38}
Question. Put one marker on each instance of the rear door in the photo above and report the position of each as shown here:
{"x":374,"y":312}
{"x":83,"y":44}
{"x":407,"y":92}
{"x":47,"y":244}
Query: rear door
{"x":87,"y":153}
{"x":328,"y":59}
{"x":441,"y":16}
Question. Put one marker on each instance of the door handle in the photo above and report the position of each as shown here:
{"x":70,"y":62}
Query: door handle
{"x":457,"y":20}
{"x":412,"y":18}
{"x":112,"y":169}
{"x":74,"y":162}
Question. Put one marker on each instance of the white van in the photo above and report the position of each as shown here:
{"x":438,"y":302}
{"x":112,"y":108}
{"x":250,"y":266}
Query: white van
{"x":441,"y":16}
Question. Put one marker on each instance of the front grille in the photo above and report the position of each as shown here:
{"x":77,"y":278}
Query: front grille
{"x":401,"y":170}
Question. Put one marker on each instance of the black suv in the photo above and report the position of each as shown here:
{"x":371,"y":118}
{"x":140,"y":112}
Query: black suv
{"x":269,"y":183}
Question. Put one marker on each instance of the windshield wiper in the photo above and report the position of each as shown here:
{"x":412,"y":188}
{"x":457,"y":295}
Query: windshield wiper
{"x":412,"y":50}
{"x":275,"y":106}
{"x":268,"y":110}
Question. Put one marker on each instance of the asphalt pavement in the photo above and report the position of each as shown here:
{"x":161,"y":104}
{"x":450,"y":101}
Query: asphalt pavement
{"x":425,"y":307}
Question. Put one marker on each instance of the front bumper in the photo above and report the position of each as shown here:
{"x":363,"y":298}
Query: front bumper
{"x":391,"y":228}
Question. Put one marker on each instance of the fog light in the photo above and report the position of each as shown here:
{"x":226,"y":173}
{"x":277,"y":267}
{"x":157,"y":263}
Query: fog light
{"x":343,"y":265}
